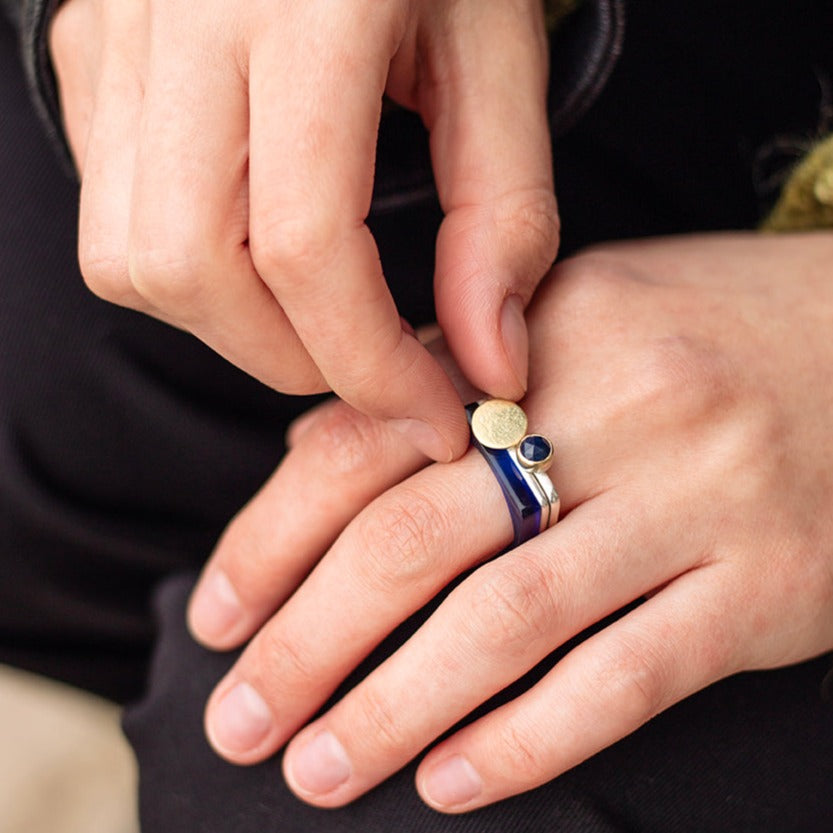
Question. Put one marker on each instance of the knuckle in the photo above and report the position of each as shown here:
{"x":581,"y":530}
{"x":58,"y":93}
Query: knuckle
{"x":591,"y":287}
{"x":632,"y":675}
{"x":288,"y":368}
{"x":720,"y":654}
{"x":247,"y":557}
{"x":171,"y":278}
{"x":400,"y":543}
{"x":286,"y":662}
{"x":381,"y":724}
{"x":305,"y":380}
{"x":518,"y":750}
{"x":354,"y":442}
{"x":512,"y":605}
{"x":104,"y":272}
{"x":292,"y":246}
{"x":536,"y":227}
{"x":686,"y":375}
{"x":743,"y":456}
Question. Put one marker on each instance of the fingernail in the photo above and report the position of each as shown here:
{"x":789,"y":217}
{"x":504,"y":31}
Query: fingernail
{"x":240,"y":721}
{"x":216,"y":607}
{"x":515,"y":337}
{"x":424,"y":437}
{"x":453,"y":782}
{"x":320,"y":765}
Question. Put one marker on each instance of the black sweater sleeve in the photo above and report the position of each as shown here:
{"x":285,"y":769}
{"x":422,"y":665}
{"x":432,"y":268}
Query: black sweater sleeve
{"x":11,"y":8}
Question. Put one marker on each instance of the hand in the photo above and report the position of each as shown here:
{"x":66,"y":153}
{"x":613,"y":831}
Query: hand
{"x":227,"y":155}
{"x":686,"y":384}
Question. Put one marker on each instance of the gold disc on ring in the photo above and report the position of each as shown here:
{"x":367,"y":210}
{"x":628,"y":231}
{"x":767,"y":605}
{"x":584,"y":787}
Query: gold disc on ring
{"x":498,"y":423}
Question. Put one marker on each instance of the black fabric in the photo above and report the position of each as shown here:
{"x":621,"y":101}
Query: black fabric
{"x":11,"y":8}
{"x":708,"y":104}
{"x":125,"y":446}
{"x":751,"y":754}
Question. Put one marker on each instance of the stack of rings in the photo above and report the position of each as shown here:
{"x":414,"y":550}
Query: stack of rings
{"x":518,"y":460}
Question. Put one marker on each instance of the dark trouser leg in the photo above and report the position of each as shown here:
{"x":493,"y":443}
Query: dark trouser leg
{"x":752,"y":753}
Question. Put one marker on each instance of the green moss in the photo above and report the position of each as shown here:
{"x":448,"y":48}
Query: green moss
{"x":806,"y":201}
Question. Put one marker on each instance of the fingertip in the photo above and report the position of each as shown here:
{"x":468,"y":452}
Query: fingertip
{"x":461,"y":438}
{"x":239,"y":724}
{"x":494,"y":359}
{"x":425,"y":438}
{"x":215,"y":613}
{"x":450,"y":785}
{"x":489,"y":264}
{"x":303,"y":423}
{"x":515,"y":342}
{"x":315,"y":765}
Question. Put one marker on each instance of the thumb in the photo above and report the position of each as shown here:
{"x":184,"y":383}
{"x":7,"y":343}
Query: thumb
{"x":491,"y":149}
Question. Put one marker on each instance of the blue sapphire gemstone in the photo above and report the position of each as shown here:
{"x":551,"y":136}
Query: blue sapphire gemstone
{"x":534,"y":450}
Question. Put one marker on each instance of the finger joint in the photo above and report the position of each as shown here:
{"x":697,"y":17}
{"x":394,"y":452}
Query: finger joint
{"x":513,"y":605}
{"x":400,"y":542}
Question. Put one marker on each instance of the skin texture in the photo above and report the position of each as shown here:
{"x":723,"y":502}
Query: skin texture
{"x":227,"y":154}
{"x":686,"y":383}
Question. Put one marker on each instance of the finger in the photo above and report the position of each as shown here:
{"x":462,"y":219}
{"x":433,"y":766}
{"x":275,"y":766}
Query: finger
{"x":383,"y":568}
{"x":300,"y":425}
{"x":429,"y":335}
{"x":340,"y":460}
{"x":109,"y":161}
{"x":74,"y":34}
{"x":313,"y":130}
{"x":335,"y":468}
{"x":495,"y":626}
{"x":665,"y":650}
{"x":399,"y":552}
{"x":189,"y":255}
{"x":491,"y":149}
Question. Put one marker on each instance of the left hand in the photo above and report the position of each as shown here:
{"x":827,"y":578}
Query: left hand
{"x":686,"y":384}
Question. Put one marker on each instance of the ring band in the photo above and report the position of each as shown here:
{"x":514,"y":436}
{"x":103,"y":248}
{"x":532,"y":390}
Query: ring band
{"x":518,"y":460}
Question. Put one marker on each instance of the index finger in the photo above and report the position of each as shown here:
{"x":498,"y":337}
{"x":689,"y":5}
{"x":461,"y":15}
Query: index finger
{"x":314,"y":119}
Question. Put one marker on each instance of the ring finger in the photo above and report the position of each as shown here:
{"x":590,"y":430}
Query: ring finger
{"x":397,"y":555}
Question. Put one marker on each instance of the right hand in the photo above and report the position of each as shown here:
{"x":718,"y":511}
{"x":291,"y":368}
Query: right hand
{"x":227,"y":157}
